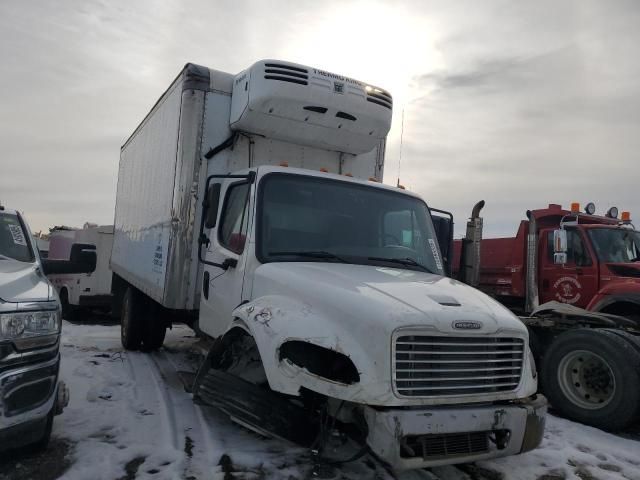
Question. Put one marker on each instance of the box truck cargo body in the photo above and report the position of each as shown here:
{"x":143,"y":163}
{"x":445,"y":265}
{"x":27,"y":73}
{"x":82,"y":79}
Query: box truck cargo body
{"x":162,"y":166}
{"x":252,"y":204}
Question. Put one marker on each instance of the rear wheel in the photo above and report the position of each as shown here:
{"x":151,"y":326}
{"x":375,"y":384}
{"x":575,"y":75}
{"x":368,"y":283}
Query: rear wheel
{"x":593,"y":376}
{"x":154,"y":327}
{"x":69,"y":312}
{"x":131,"y":320}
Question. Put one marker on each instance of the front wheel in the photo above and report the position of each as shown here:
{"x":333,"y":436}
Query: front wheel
{"x":42,"y":443}
{"x":593,"y":376}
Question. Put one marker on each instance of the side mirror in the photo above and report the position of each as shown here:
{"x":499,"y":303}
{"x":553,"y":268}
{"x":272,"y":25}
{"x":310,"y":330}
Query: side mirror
{"x":82,"y":260}
{"x":443,"y":225}
{"x":211,"y":203}
{"x":560,"y":247}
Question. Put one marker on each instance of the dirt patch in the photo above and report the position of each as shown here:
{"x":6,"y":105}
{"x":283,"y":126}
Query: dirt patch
{"x":47,"y":465}
{"x":552,"y":476}
{"x":188,"y":446}
{"x":480,"y":473}
{"x":131,"y":468}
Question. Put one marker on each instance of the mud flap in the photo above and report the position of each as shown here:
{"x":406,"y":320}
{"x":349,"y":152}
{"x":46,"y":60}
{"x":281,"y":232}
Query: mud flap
{"x":536,"y":419}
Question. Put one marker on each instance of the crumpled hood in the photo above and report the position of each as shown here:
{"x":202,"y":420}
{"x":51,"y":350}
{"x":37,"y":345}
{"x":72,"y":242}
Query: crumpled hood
{"x":387,"y":298}
{"x":23,"y":282}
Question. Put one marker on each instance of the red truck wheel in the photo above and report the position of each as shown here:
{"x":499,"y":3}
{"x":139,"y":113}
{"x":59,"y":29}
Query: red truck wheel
{"x":593,"y":376}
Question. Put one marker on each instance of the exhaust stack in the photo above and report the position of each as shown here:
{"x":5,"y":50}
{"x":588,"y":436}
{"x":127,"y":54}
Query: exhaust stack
{"x":470,"y":255}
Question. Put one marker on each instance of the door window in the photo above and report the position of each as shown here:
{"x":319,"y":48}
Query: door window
{"x":235,"y":213}
{"x":577,"y":253}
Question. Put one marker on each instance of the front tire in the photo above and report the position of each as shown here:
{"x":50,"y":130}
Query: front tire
{"x":593,"y":376}
{"x":131,"y":320}
{"x":42,"y":443}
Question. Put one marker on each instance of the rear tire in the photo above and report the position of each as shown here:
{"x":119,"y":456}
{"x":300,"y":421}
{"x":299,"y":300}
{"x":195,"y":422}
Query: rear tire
{"x":131,"y":320}
{"x":69,"y":312}
{"x":593,"y":376}
{"x":154,"y":328}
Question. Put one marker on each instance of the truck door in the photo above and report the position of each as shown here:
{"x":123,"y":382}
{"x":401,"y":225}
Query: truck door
{"x":222,"y":289}
{"x":576,"y":282}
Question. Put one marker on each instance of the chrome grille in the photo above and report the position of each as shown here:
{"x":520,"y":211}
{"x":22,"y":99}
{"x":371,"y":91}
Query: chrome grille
{"x":427,"y":366}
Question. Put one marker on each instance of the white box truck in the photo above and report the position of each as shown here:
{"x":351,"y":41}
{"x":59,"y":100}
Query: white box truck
{"x":82,"y":292}
{"x":251,"y":204}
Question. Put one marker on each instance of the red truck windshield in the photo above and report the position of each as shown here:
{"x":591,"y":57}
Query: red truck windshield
{"x":616,"y":245}
{"x":13,"y":239}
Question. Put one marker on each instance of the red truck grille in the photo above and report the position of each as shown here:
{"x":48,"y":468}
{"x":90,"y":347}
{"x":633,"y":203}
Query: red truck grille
{"x":428,"y":366}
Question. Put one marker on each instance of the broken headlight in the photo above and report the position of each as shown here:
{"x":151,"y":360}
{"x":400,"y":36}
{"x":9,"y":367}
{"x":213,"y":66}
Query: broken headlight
{"x":29,"y":324}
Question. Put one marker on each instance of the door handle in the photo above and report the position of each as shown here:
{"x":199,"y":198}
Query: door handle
{"x":578,"y":271}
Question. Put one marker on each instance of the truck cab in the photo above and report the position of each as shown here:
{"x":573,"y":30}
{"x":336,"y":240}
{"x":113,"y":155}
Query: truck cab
{"x":30,"y":323}
{"x":602,"y":268}
{"x":253,"y":204}
{"x":574,"y":278}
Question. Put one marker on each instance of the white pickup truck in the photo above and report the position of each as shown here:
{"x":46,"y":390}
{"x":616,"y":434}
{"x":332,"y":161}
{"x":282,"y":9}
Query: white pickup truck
{"x":251,"y":205}
{"x":30,"y":393}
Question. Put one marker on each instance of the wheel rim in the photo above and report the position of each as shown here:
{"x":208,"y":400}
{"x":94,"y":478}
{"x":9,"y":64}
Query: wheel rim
{"x":586,"y":379}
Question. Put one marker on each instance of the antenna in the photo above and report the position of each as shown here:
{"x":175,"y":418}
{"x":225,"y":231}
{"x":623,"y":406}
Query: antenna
{"x":400,"y":155}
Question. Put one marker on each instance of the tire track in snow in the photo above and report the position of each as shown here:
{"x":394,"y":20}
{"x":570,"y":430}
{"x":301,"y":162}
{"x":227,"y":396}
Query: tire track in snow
{"x":189,"y":428}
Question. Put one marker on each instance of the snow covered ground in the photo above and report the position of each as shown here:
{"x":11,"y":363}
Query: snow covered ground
{"x":130,"y":417}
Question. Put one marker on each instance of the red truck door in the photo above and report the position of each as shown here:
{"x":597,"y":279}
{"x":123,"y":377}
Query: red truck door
{"x":576,"y":282}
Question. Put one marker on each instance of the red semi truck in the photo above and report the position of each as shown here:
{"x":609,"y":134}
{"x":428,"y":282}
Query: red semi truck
{"x":574,"y":279}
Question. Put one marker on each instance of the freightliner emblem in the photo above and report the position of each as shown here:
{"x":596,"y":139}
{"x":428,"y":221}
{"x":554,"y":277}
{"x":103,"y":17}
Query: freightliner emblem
{"x":467,"y":325}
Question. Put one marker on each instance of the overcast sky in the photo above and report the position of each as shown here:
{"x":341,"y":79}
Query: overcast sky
{"x":518,"y":103}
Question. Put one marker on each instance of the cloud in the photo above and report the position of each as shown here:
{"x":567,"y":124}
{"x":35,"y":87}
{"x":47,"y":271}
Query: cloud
{"x":521,"y":104}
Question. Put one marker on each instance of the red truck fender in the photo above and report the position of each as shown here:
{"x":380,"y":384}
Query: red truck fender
{"x":619,"y":298}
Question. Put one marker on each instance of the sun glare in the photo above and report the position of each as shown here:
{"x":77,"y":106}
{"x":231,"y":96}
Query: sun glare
{"x":385,"y":45}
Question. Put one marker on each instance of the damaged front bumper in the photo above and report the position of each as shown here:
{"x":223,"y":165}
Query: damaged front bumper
{"x":412,"y":438}
{"x":30,"y":395}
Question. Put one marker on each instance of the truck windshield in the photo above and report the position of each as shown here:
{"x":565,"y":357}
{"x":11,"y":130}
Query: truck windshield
{"x":315,"y":219}
{"x":616,"y":245}
{"x":13,"y":239}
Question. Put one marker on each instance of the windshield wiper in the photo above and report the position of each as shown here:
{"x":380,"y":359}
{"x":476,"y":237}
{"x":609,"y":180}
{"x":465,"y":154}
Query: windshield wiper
{"x":404,"y":261}
{"x":312,"y":254}
{"x":2,"y":257}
